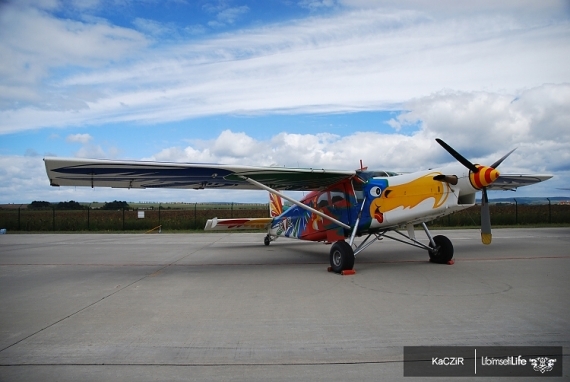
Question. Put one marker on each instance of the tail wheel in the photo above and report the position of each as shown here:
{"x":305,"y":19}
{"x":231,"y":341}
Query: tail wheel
{"x":341,"y":257}
{"x":267,"y":240}
{"x":443,"y":251}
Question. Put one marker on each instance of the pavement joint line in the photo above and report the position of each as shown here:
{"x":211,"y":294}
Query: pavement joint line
{"x":221,"y":364}
{"x":162,"y":266}
{"x":173,"y":264}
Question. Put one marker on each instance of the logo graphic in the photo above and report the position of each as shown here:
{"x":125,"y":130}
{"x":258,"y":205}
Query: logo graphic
{"x":542,"y":364}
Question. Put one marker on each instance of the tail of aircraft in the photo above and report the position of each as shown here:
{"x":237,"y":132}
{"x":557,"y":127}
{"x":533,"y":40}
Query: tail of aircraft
{"x":275,"y":209}
{"x":275,"y":205}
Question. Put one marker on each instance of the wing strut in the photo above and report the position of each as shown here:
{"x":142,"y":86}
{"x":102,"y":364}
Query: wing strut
{"x":296,"y":202}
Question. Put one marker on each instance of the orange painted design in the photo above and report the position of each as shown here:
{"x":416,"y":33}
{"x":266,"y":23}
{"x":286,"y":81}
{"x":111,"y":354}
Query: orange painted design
{"x":275,"y":205}
{"x":484,"y":177}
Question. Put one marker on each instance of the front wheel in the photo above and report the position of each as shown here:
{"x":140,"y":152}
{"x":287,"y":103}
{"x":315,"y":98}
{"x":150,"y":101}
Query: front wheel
{"x":443,"y":251}
{"x":341,"y":257}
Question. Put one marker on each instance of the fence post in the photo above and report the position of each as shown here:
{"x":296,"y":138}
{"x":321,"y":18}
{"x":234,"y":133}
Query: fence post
{"x":549,"y":212}
{"x":19,"y":217}
{"x":159,"y":214}
{"x":53,"y":218}
{"x":123,"y":218}
{"x":195,"y":217}
{"x":88,"y":208}
{"x":232,"y":210}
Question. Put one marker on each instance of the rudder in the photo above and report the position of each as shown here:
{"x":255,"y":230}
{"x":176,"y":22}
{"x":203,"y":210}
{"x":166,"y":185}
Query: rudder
{"x":275,"y":205}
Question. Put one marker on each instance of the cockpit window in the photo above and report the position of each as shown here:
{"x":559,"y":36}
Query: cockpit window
{"x":337,"y":197}
{"x":365,"y":175}
{"x":323,"y":200}
{"x":358,"y":191}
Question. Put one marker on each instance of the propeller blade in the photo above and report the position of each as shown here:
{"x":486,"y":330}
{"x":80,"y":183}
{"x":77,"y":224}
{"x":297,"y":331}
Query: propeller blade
{"x":497,"y":163}
{"x":460,"y":158}
{"x":486,"y":235}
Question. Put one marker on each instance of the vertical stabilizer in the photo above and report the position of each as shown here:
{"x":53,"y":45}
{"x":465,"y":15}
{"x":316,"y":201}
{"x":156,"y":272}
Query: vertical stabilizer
{"x":275,"y":205}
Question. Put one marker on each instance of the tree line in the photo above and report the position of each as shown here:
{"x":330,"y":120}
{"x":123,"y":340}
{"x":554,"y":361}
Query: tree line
{"x":73,"y":205}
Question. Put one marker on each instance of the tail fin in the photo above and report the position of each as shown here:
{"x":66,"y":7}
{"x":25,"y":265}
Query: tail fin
{"x":275,"y":205}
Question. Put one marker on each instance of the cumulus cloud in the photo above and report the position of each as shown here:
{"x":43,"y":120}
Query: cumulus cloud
{"x":483,"y":126}
{"x":79,"y":138}
{"x":484,"y":76}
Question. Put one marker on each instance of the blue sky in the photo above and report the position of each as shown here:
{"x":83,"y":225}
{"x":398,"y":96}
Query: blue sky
{"x":288,"y":82}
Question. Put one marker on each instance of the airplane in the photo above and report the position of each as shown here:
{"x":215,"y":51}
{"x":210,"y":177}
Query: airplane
{"x":340,"y":206}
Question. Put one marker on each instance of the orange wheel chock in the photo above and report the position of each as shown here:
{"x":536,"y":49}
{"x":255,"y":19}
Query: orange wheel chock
{"x":347,"y":272}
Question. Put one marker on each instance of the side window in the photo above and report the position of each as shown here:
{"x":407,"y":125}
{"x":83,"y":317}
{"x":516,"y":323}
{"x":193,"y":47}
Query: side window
{"x":323,"y":200}
{"x":337,"y":197}
{"x":358,"y":191}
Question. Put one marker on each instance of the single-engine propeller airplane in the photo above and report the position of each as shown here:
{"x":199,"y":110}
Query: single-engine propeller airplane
{"x":341,"y":205}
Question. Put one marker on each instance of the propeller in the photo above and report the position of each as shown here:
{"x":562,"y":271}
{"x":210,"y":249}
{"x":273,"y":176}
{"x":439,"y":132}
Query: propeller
{"x":460,"y":158}
{"x":480,"y":177}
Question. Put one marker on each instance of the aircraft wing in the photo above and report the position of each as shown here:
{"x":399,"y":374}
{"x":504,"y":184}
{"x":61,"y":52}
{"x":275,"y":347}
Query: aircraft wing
{"x":511,"y":181}
{"x":148,"y":174}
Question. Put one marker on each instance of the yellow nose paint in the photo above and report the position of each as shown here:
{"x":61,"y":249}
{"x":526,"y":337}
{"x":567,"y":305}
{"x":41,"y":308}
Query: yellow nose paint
{"x":409,"y":195}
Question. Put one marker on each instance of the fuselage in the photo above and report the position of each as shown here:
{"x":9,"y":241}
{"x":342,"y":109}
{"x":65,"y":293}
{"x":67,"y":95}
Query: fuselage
{"x":389,"y":201}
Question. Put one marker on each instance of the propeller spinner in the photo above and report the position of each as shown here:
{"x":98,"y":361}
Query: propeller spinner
{"x":480,"y":177}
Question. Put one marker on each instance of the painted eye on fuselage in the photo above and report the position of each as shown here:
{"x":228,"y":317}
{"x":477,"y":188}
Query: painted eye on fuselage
{"x":375,"y":191}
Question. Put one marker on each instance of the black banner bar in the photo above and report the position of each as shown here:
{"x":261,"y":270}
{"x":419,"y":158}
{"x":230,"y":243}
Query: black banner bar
{"x":484,"y":361}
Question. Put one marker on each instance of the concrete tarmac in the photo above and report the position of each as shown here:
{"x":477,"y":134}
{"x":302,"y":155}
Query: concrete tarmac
{"x":224,"y":307}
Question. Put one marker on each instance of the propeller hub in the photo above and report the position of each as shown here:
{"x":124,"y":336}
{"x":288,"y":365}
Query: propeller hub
{"x":483,"y":177}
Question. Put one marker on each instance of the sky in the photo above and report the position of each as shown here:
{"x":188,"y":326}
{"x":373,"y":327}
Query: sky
{"x":296,"y":83}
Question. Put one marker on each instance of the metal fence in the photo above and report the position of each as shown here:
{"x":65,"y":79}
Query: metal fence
{"x":194,"y":217}
{"x":509,"y":215}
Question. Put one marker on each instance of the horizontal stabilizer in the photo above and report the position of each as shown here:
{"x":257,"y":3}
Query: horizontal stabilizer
{"x":216,"y":224}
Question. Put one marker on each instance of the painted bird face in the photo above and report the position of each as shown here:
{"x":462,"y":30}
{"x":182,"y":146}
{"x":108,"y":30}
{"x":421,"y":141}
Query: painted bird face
{"x":373,"y":193}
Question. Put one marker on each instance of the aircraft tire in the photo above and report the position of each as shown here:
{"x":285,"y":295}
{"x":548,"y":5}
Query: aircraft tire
{"x":267,"y":240}
{"x":444,"y":252}
{"x":341,"y":257}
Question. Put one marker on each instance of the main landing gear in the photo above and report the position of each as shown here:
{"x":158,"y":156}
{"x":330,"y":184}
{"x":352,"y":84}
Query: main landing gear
{"x":441,"y":251}
{"x":342,"y":255}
